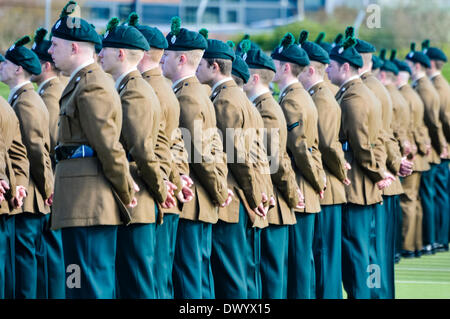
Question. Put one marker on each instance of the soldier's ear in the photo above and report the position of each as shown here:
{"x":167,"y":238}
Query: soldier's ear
{"x":182,"y":59}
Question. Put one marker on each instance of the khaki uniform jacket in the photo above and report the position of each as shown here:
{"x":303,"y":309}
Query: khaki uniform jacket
{"x":208,"y":168}
{"x":283,"y":178}
{"x":140,"y":126}
{"x":443,"y":88}
{"x":394,"y":156}
{"x":333,"y":158}
{"x":170,"y":116}
{"x":231,"y":113}
{"x":14,"y":160}
{"x":34,"y":122}
{"x":303,"y":143}
{"x":50,"y":94}
{"x":91,"y":191}
{"x":361,"y":128}
{"x":417,"y":127}
{"x":401,"y":117}
{"x":430,"y":99}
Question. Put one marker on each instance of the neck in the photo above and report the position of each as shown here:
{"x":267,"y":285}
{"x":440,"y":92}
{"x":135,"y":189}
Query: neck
{"x":418,"y":75}
{"x":147,"y":65}
{"x":365,"y":68}
{"x":347,"y":79}
{"x":15,"y":82}
{"x":257,"y":90}
{"x":78,"y":60}
{"x":285,"y":81}
{"x":44,"y":77}
{"x":309,"y":82}
{"x":121,"y":69}
{"x":219,"y":77}
{"x":183,"y":73}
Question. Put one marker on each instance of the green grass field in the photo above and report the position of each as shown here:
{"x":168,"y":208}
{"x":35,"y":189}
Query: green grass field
{"x":427,"y":277}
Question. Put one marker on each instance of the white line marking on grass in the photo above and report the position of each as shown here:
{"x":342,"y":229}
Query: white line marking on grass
{"x":422,"y":282}
{"x":425,"y":269}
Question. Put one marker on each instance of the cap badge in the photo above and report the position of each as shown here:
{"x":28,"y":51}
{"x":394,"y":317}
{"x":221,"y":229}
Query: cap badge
{"x":12,"y":47}
{"x":244,"y":56}
{"x":173,"y":39}
{"x":280,"y":50}
{"x":58,"y":24}
{"x":341,"y":50}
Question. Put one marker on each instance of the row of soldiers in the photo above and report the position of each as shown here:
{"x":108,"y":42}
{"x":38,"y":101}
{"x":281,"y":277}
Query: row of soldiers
{"x":148,"y":200}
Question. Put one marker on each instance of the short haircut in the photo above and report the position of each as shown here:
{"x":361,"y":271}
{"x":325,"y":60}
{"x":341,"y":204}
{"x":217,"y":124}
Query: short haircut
{"x":319,"y":67}
{"x":225,"y":66}
{"x":193,"y":56}
{"x":367,"y":58}
{"x":391,"y":76}
{"x":239,"y":81}
{"x":353,"y":69}
{"x":265,"y":75}
{"x":52,"y":65}
{"x":296,"y":69}
{"x":134,"y":55}
{"x":155,"y":54}
{"x":439,"y":64}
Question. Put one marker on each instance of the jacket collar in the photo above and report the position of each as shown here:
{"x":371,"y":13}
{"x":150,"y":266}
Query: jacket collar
{"x":229,"y":82}
{"x":25,"y":87}
{"x":346,"y":86}
{"x":46,"y":84}
{"x":184,"y":82}
{"x":127,"y":77}
{"x":290,"y":88}
{"x":316,"y":87}
{"x":77,"y":78}
{"x":152,"y":72}
{"x":258,"y":100}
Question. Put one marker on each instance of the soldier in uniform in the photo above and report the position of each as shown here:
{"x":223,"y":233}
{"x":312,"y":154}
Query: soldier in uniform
{"x":275,"y":238}
{"x":410,"y":200}
{"x":327,"y":232}
{"x":15,"y":174}
{"x":192,"y":266}
{"x":400,"y":128}
{"x":360,"y":134}
{"x":178,"y":168}
{"x":94,"y":190}
{"x":50,"y":89}
{"x":384,"y":224}
{"x":437,"y":61}
{"x":30,"y":223}
{"x":246,"y":216}
{"x":123,"y":49}
{"x":302,"y":144}
{"x":418,"y":63}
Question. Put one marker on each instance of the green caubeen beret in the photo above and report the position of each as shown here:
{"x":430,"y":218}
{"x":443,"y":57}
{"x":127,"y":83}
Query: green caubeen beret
{"x":376,"y":62}
{"x":217,"y":49}
{"x":315,"y":52}
{"x":123,"y":36}
{"x":182,"y":39}
{"x":418,"y":57}
{"x":41,"y":45}
{"x":21,"y":55}
{"x":75,"y":29}
{"x":288,"y":51}
{"x":324,"y":45}
{"x":256,"y":58}
{"x":239,"y":67}
{"x":345,"y":52}
{"x":401,"y":65}
{"x":361,"y":46}
{"x":433,"y":53}
{"x":388,"y":65}
{"x":253,"y":45}
{"x":153,"y":35}
{"x":2,"y":58}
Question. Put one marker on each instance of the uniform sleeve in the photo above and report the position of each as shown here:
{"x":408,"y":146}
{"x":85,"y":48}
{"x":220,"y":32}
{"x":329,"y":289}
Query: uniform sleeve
{"x":229,"y":116}
{"x":329,"y":145}
{"x":284,"y":177}
{"x":432,"y":108}
{"x":298,"y":146}
{"x":19,"y":159}
{"x":207,"y":159}
{"x":98,"y":124}
{"x":355,"y":122}
{"x":140,"y":143}
{"x":32,"y":131}
{"x":52,"y":102}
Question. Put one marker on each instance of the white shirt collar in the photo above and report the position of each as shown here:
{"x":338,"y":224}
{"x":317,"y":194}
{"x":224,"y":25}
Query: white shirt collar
{"x":15,"y":89}
{"x":220,"y":82}
{"x":44,"y":83}
{"x":435,"y":75}
{"x":287,"y":85}
{"x":349,"y":79}
{"x":401,"y":85}
{"x":254,"y":97}
{"x":418,"y":78}
{"x":81,"y":66}
{"x":182,"y":79}
{"x":320,"y":81}
{"x":122,"y":76}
